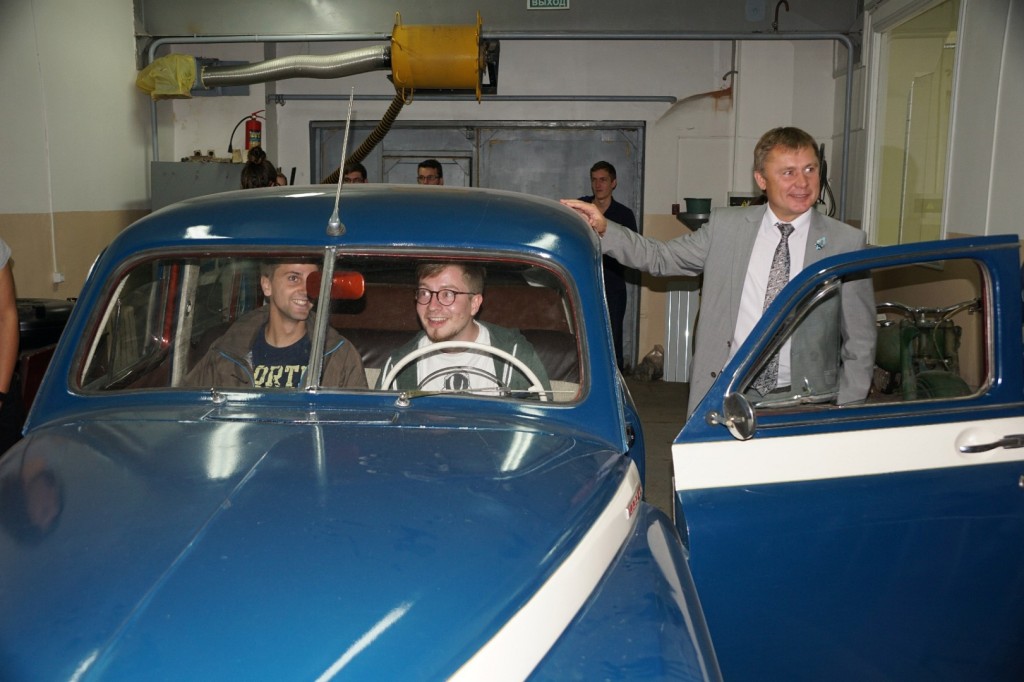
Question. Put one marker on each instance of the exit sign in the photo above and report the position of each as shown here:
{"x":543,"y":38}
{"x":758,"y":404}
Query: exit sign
{"x":547,"y":4}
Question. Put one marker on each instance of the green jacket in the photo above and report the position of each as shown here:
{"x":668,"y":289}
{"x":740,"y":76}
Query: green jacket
{"x":228,"y":362}
{"x":509,"y":340}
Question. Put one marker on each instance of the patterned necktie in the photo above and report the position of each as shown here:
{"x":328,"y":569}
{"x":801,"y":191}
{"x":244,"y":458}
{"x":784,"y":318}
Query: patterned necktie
{"x":777,"y":278}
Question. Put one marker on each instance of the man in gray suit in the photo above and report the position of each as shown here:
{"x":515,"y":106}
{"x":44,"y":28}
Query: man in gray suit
{"x":738,"y":252}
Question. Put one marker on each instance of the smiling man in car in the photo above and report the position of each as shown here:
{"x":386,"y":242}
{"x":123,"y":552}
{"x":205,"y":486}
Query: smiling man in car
{"x":448,"y":298}
{"x":270,"y":347}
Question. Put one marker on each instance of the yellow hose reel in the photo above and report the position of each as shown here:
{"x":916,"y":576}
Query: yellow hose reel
{"x":437,"y":57}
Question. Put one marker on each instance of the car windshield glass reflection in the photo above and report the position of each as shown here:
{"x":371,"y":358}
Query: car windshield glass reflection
{"x":244,"y":322}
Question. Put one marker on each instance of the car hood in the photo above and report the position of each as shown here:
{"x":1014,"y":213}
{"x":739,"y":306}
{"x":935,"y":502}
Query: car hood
{"x":242,"y":550}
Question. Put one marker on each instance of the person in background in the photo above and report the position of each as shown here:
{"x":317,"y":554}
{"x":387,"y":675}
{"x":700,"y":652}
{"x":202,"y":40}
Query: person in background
{"x":258,"y":171}
{"x":448,"y":297}
{"x":12,"y":414}
{"x":281,"y":180}
{"x":355,"y":172}
{"x":430,"y":172}
{"x":270,"y":346}
{"x":740,"y":252}
{"x":603,"y":183}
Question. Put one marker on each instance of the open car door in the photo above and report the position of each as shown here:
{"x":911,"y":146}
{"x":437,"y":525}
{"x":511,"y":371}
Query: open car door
{"x":878,"y":540}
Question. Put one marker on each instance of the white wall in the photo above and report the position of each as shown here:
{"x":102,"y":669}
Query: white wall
{"x":701,"y":147}
{"x":76,"y":132}
{"x":74,"y":125}
{"x":74,"y":136}
{"x":987,"y":147}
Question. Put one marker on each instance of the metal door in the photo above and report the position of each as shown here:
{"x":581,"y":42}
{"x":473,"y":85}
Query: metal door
{"x":551,"y":159}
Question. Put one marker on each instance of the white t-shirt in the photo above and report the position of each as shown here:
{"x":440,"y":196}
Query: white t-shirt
{"x":459,"y":370}
{"x":5,"y":254}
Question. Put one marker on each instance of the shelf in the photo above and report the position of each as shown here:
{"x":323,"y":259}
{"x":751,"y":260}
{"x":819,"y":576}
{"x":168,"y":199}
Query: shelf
{"x":694,"y":221}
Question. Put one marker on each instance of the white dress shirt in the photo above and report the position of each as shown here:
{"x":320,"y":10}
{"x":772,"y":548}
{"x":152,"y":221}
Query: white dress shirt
{"x":756,"y":282}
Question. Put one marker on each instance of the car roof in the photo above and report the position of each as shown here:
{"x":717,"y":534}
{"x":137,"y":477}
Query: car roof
{"x":423,"y":217}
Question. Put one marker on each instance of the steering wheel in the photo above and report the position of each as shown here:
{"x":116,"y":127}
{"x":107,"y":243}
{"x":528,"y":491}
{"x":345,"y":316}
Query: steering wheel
{"x":535,"y":384}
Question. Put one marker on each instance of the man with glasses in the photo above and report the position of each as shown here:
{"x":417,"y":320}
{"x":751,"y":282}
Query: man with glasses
{"x":448,"y":297}
{"x":429,"y":172}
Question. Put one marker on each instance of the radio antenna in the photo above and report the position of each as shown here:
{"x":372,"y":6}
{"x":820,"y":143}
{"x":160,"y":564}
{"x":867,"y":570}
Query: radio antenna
{"x":335,"y":227}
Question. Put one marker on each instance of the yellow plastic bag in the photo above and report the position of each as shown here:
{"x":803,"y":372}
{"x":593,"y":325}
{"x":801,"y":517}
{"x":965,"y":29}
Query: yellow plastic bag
{"x":168,"y":77}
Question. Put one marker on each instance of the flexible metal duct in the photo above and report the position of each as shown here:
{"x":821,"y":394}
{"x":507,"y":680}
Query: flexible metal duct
{"x":299,"y":66}
{"x":372,"y":140}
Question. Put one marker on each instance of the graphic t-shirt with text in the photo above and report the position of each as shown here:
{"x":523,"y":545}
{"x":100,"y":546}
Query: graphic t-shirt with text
{"x":279,"y":367}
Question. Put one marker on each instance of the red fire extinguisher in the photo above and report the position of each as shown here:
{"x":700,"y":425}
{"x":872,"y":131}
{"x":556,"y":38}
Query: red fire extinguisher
{"x":253,"y":131}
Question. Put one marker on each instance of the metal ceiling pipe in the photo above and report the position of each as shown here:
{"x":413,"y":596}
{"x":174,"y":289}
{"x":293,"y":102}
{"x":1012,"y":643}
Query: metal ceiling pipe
{"x":210,"y":40}
{"x":456,"y":97}
{"x":299,"y":66}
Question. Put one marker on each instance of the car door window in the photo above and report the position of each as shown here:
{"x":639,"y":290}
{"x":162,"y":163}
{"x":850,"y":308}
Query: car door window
{"x":162,"y":315}
{"x":131,"y":339}
{"x":931,"y":332}
{"x":931,"y":323}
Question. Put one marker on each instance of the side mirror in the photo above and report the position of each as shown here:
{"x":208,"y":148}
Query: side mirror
{"x":738,"y":416}
{"x":345,"y":286}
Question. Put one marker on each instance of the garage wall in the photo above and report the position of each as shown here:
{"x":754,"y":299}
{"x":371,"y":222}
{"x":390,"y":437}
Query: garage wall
{"x":987,"y":145}
{"x":76,"y":133}
{"x":699,"y":147}
{"x":74,"y":137}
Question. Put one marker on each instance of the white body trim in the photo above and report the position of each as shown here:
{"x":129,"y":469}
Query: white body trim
{"x":838,"y":455}
{"x":517,"y":648}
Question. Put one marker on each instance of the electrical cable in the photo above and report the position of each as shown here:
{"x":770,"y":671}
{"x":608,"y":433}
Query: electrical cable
{"x":235,"y":130}
{"x":826,"y":189}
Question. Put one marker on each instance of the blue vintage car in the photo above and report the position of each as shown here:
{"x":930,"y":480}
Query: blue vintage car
{"x":162,"y":529}
{"x":159,"y":528}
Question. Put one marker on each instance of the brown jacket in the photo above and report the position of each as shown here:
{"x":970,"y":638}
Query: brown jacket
{"x":228,"y":362}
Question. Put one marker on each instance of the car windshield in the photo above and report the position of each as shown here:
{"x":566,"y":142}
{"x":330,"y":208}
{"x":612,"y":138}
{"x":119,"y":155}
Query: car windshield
{"x":248,"y":322}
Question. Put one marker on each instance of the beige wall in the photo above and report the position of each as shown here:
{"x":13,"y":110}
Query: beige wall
{"x":653,"y":291}
{"x":75,"y":137}
{"x":80,"y":236}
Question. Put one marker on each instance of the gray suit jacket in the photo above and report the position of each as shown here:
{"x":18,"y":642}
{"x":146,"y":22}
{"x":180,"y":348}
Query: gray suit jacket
{"x":836,"y":341}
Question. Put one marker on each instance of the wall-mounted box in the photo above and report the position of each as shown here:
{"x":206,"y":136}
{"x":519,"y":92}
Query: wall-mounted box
{"x":744,"y":199}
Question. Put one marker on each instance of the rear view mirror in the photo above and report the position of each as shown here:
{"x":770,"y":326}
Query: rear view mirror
{"x":345,"y":286}
{"x":737,"y":416}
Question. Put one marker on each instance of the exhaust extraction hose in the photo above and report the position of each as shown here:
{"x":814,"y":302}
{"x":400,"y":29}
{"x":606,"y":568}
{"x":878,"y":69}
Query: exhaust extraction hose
{"x":299,"y":66}
{"x":372,"y":140}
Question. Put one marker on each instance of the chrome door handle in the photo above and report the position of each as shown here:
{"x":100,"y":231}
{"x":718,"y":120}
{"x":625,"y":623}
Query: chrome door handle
{"x":1016,"y":441}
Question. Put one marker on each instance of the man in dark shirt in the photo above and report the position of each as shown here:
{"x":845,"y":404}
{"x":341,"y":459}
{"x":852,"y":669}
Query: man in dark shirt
{"x":270,"y":346}
{"x":602,"y":183}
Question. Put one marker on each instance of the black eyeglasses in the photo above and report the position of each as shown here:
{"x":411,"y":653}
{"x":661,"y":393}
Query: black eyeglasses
{"x":444,"y":296}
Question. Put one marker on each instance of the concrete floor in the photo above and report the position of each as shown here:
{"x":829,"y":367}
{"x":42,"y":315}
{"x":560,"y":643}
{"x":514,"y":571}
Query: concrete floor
{"x":662,"y":408}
